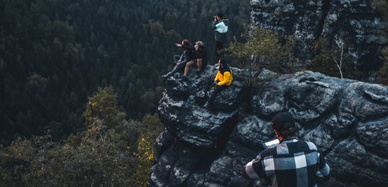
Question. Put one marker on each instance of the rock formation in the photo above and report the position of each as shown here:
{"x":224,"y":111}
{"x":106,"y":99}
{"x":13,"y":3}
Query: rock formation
{"x":355,"y":22}
{"x":346,"y":119}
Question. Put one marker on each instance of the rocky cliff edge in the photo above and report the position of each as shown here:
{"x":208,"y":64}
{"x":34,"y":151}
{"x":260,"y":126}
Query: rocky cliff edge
{"x":346,"y":119}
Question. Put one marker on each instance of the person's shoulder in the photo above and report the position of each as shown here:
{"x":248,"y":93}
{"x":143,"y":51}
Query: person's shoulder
{"x":268,"y":152}
{"x":227,"y":69}
{"x":188,"y":46}
{"x":311,"y":145}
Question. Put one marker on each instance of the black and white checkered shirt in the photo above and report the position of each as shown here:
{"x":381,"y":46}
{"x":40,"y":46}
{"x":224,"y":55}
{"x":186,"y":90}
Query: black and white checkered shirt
{"x":291,"y":163}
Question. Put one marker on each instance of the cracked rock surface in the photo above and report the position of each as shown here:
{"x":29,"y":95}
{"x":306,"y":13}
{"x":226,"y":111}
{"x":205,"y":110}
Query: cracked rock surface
{"x":355,"y":22}
{"x":346,"y":119}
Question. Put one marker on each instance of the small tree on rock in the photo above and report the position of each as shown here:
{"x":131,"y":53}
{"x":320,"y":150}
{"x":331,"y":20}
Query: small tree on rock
{"x":336,"y":63}
{"x":262,"y":48}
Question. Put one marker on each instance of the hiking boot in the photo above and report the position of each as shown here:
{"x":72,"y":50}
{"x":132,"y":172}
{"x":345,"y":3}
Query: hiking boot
{"x":184,"y":78}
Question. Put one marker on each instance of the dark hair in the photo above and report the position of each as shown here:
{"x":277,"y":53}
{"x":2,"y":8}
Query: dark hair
{"x":219,"y":14}
{"x":290,"y":132}
{"x":185,"y":42}
{"x":284,"y":124}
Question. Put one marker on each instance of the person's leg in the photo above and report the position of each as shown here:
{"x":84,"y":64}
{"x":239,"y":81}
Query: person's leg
{"x":209,"y":84}
{"x":203,"y":64}
{"x":176,"y":67}
{"x":199,"y":66}
{"x":199,"y":63}
{"x":214,"y":94}
{"x":181,"y":67}
{"x":176,"y":58}
{"x":188,"y":64}
{"x":217,"y":89}
{"x":174,"y":70}
{"x":219,"y":47}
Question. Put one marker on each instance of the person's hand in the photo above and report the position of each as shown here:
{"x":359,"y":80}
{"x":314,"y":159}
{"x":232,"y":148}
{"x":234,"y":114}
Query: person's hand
{"x":322,"y":179}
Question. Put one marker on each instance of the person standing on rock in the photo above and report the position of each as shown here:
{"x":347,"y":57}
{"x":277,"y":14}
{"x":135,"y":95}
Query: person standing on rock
{"x":220,"y":28}
{"x":292,"y":163}
{"x":223,"y":79}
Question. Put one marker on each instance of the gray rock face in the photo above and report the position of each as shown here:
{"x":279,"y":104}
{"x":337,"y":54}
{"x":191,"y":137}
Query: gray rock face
{"x":181,"y":109}
{"x":346,"y":119}
{"x":353,"y":21}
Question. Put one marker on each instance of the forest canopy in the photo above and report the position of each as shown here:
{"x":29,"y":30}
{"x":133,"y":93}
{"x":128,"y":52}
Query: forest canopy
{"x":110,"y":152}
{"x":56,"y":53}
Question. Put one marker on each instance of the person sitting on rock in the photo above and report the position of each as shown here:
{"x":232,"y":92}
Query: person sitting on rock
{"x":186,"y":57}
{"x":223,"y":79}
{"x":201,"y":58}
{"x":291,"y":163}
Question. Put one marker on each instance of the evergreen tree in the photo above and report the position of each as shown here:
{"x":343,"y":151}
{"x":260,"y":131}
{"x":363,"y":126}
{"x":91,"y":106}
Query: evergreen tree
{"x":78,"y":46}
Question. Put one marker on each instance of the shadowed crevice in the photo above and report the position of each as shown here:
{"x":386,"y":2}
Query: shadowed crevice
{"x":325,"y":11}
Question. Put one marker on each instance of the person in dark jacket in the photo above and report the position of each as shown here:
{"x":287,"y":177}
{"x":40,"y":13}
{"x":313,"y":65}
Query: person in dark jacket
{"x":220,"y":28}
{"x":291,"y":163}
{"x":223,"y":80}
{"x":200,"y":58}
{"x":187,"y":56}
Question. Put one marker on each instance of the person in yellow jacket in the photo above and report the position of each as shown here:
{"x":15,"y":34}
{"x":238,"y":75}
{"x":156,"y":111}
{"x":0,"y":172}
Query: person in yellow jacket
{"x":223,"y":79}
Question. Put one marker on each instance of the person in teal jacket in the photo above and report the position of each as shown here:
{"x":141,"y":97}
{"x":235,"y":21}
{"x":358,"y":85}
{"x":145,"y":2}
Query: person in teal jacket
{"x":220,"y":28}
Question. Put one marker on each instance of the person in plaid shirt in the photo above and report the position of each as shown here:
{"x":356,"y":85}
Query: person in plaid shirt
{"x":291,"y":163}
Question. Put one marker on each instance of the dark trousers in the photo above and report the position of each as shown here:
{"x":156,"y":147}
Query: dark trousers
{"x":178,"y":67}
{"x":216,"y":90}
{"x":219,"y":48}
{"x":176,"y":58}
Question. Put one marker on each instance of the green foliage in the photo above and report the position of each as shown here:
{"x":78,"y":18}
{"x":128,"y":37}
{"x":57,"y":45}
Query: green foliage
{"x":383,"y":71}
{"x":104,"y":161}
{"x":149,"y":129}
{"x":102,"y":155}
{"x":36,"y":82}
{"x":262,"y":48}
{"x":382,"y":6}
{"x":54,"y":54}
{"x":103,"y":108}
{"x":325,"y":62}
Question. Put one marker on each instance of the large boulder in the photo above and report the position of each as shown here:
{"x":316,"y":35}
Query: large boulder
{"x":346,"y":119}
{"x":334,"y":20}
{"x":181,"y":109}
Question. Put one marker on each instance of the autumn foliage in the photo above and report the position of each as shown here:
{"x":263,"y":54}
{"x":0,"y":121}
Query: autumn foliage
{"x":110,"y":152}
